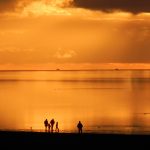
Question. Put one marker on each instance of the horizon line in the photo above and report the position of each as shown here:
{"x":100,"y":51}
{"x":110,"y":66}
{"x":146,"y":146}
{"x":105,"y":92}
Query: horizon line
{"x":114,"y":69}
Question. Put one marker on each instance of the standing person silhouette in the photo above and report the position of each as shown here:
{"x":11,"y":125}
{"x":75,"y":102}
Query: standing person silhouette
{"x":52,"y":122}
{"x":46,"y":124}
{"x":57,"y":129}
{"x":79,"y":126}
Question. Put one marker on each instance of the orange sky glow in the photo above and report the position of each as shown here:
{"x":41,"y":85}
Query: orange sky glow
{"x":51,"y":34}
{"x":72,"y":35}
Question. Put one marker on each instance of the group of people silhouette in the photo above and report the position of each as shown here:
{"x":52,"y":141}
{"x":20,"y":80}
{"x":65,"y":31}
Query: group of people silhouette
{"x":49,"y":126}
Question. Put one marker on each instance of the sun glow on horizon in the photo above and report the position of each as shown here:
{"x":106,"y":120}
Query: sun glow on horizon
{"x":45,"y":7}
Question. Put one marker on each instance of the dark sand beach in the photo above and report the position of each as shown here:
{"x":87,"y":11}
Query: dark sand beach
{"x":72,"y":140}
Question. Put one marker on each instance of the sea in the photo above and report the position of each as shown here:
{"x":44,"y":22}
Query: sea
{"x":105,"y":101}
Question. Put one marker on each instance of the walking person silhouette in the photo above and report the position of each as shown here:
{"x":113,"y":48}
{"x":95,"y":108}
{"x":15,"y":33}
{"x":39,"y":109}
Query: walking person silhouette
{"x":52,"y":122}
{"x":57,"y":128}
{"x":46,"y":124}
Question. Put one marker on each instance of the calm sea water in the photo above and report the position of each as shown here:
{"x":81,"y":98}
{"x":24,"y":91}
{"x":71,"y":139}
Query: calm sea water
{"x":112,"y":101}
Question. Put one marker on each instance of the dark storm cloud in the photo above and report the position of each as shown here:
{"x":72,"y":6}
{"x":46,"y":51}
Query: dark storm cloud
{"x":11,"y":5}
{"x":134,"y":6}
{"x":6,"y":5}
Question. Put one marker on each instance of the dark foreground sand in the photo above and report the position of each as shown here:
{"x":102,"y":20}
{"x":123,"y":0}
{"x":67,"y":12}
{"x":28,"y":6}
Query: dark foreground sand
{"x":72,"y":140}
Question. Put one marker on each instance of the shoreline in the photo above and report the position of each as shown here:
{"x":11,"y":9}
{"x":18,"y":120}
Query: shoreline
{"x":36,"y":139}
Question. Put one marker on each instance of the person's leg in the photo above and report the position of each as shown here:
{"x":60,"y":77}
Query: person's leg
{"x":52,"y":128}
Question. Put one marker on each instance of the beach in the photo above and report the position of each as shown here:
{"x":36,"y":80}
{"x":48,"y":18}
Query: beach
{"x":73,"y":140}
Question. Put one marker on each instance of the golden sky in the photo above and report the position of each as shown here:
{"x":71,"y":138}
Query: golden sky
{"x":46,"y":34}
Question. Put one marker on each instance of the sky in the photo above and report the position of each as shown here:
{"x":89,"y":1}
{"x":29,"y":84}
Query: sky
{"x":74,"y":34}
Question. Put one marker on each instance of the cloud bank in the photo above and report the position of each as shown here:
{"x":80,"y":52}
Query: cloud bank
{"x":15,"y":5}
{"x":133,"y":6}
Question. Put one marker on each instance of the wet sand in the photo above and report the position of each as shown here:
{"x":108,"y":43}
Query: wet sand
{"x":72,"y":140}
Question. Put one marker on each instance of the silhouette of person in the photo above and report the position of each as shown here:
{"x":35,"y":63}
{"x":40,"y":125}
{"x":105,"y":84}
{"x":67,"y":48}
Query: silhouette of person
{"x":52,"y":122}
{"x":57,"y":129}
{"x":49,"y":126}
{"x":46,"y":124}
{"x":79,"y":126}
{"x":31,"y":129}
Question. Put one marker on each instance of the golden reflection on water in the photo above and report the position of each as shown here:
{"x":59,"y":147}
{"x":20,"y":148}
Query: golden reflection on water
{"x":98,"y":99}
